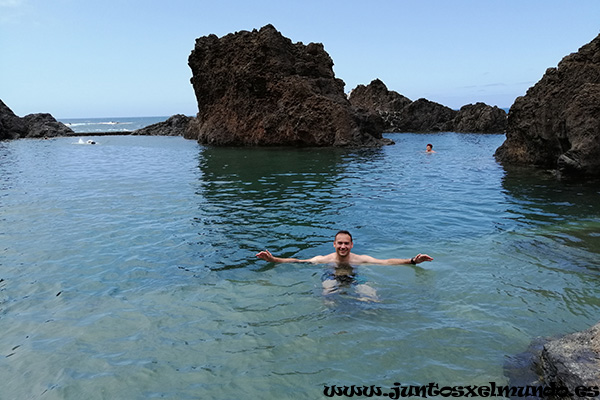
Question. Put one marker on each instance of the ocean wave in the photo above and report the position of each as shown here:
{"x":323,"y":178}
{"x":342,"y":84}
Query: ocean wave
{"x":97,"y":123}
{"x":90,"y":125}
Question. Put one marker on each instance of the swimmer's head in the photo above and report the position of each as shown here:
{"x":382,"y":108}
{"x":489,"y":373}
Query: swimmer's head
{"x":343,"y":232}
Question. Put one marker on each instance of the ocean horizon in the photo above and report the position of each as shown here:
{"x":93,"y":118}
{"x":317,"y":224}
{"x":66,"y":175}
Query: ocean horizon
{"x":110,"y":124}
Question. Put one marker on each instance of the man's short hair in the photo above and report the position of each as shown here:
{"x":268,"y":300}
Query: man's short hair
{"x":345,"y":233}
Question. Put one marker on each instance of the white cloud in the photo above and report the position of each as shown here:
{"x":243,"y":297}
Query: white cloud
{"x":12,"y":11}
{"x":11,"y":3}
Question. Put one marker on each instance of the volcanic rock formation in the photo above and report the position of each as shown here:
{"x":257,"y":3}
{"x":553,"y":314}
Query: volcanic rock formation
{"x":400,"y":114}
{"x":423,"y":115}
{"x":45,"y":125}
{"x":31,"y":126}
{"x":259,"y":88}
{"x":11,"y":126}
{"x":573,"y":361}
{"x":480,"y":118}
{"x":376,"y":97}
{"x":556,"y":124}
{"x":176,"y":125}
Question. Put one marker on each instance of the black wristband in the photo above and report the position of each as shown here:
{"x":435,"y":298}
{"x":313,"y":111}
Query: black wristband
{"x":412,"y":261}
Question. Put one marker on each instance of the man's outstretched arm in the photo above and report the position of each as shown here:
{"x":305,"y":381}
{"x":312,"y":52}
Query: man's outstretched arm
{"x":419,"y":258}
{"x":267,"y":256}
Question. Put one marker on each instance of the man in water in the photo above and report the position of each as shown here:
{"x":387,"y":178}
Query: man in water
{"x":344,"y":274}
{"x":343,"y":255}
{"x":429,"y":148}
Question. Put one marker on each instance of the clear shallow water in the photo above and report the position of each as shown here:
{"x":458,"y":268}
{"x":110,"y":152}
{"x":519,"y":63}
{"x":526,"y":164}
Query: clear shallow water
{"x":128,"y":267}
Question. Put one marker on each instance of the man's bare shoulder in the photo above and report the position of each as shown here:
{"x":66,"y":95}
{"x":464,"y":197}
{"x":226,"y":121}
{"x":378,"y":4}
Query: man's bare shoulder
{"x":323,"y":259}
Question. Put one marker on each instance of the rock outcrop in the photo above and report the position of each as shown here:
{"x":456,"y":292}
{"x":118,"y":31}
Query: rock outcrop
{"x":480,"y":118}
{"x":422,"y":115}
{"x":260,"y":89}
{"x":11,"y":126}
{"x":573,"y":360}
{"x":42,"y":125}
{"x":400,"y":114}
{"x":377,"y":98}
{"x":176,"y":125}
{"x":556,"y":125}
{"x":30,"y":126}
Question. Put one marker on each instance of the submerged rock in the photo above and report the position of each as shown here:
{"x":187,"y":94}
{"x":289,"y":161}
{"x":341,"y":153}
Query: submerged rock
{"x":258,"y":88}
{"x":556,"y":124}
{"x":176,"y":125}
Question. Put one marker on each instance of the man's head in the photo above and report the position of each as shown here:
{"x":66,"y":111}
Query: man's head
{"x":429,"y":147}
{"x":344,"y":233}
{"x":343,"y":243}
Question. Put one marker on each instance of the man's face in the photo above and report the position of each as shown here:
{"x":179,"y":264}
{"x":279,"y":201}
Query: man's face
{"x":343,"y":244}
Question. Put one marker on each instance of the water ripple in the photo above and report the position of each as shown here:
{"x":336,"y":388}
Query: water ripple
{"x":127,"y":269}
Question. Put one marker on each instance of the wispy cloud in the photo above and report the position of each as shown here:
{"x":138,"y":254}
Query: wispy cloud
{"x":12,"y":3}
{"x":12,"y":11}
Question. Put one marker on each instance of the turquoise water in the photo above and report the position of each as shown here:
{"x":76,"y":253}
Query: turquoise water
{"x":128,"y":268}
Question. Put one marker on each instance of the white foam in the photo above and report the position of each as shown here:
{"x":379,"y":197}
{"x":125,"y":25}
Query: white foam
{"x":89,"y":141}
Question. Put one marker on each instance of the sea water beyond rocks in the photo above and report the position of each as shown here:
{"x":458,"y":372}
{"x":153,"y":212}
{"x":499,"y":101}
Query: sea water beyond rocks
{"x":258,"y":88}
{"x":556,"y":125}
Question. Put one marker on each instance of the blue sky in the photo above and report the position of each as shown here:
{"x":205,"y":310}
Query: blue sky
{"x":109,"y":58}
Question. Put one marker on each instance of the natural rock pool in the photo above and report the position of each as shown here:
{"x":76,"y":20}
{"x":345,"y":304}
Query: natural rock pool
{"x":128,"y":268}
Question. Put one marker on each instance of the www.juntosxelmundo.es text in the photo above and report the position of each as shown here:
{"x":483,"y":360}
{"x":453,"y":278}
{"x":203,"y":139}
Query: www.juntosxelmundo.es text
{"x":434,"y":389}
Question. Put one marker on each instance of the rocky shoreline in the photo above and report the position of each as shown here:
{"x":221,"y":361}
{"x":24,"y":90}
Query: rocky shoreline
{"x":556,"y":125}
{"x":41,"y":125}
{"x":570,"y":364}
{"x":573,"y":361}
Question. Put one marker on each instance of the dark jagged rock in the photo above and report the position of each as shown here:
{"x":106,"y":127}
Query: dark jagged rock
{"x":573,"y":360}
{"x":399,"y":113}
{"x":31,"y":126}
{"x":177,"y":125}
{"x":424,"y":116}
{"x":259,"y":88}
{"x":42,"y":125}
{"x":556,"y":124}
{"x":480,"y":118}
{"x":11,"y":126}
{"x":376,"y":97}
